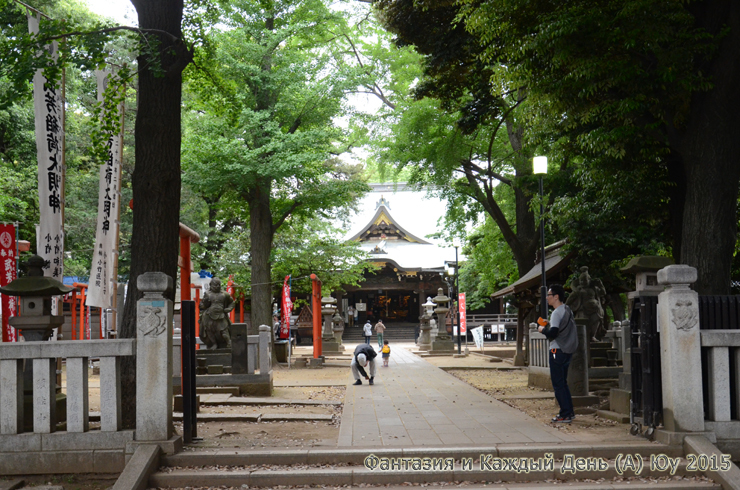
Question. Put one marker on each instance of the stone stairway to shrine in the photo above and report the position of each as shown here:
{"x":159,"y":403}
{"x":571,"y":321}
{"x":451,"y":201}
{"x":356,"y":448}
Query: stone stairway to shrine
{"x":600,"y":466}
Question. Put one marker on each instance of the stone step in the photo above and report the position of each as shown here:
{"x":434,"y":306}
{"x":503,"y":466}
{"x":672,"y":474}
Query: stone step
{"x":356,"y":456}
{"x":258,"y":417}
{"x":408,"y":471}
{"x":238,"y":401}
{"x":232,"y":390}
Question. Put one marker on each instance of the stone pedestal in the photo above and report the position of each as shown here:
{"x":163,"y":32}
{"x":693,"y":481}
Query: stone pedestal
{"x":238,"y":333}
{"x":578,"y":370}
{"x":680,"y":341}
{"x":425,"y":340}
{"x":625,"y":378}
{"x":338,"y":329}
{"x":443,"y":344}
{"x":154,"y":359}
{"x":433,"y":330}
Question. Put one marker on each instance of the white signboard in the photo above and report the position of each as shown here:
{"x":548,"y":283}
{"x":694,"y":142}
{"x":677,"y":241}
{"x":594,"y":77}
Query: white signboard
{"x":49,"y":115}
{"x":102,"y":280}
{"x":478,"y":336}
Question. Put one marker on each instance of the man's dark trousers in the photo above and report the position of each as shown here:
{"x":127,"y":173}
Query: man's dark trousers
{"x":559,"y":362}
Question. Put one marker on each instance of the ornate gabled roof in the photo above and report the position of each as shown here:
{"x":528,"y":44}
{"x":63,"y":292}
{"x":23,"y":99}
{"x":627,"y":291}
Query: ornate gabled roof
{"x":382,"y":227}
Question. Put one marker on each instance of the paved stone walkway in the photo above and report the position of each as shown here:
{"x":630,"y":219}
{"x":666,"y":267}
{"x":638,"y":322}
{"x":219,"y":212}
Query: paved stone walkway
{"x":414,"y":403}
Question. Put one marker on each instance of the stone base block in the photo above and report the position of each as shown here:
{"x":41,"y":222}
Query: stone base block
{"x":731,"y":447}
{"x":315,"y":363}
{"x":171,"y":446}
{"x":619,"y":400}
{"x":622,"y":418}
{"x":216,"y":356}
{"x":610,"y":372}
{"x":425,"y":347}
{"x":585,"y":401}
{"x":248,"y":384}
{"x":215,"y":369}
{"x":62,"y":462}
{"x":178,"y":403}
{"x":443,"y":346}
{"x":330,"y":346}
{"x":676,"y":438}
{"x":625,"y":381}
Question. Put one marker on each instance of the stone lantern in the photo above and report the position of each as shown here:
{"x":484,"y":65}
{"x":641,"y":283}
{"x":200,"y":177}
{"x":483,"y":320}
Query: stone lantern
{"x":35,"y":292}
{"x":338,"y":328}
{"x":443,"y":342}
{"x":425,"y":339}
{"x":37,"y":324}
{"x":328,"y":342}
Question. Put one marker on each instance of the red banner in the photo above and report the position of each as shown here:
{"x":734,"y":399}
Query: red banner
{"x":287,"y":310}
{"x":463,"y":318}
{"x":8,"y":273}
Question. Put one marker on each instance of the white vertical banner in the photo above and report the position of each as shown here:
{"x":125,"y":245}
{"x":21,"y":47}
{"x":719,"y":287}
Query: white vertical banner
{"x":101,"y":286}
{"x":49,"y":112}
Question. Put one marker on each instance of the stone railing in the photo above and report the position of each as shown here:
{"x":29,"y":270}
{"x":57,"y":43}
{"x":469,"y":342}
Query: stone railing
{"x":44,"y":355}
{"x":38,"y":448}
{"x":539,"y":347}
{"x":721,"y":346}
{"x":90,"y":451}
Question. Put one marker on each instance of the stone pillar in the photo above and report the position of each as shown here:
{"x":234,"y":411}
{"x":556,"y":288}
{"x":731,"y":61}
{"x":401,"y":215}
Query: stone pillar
{"x":238,"y":333}
{"x":154,"y":358}
{"x":425,"y":338}
{"x":338,"y":329}
{"x":77,"y":394}
{"x":680,"y":342}
{"x":11,"y":396}
{"x":625,"y":377}
{"x":578,"y":370}
{"x":265,"y":355}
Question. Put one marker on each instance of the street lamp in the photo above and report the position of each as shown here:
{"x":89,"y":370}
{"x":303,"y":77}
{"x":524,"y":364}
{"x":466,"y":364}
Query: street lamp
{"x":456,"y":244}
{"x":540,"y":168}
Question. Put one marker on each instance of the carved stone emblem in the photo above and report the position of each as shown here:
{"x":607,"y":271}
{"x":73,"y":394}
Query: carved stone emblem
{"x":684,"y":316}
{"x":153,"y":321}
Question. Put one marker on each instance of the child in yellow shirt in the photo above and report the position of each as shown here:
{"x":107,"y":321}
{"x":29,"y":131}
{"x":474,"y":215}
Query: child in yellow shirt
{"x":386,"y":352}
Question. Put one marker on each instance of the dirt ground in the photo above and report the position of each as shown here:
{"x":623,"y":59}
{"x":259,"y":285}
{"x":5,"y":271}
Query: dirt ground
{"x":508,"y":385}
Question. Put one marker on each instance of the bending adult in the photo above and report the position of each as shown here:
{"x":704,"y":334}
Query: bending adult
{"x":364,"y":355}
{"x":561,"y":331}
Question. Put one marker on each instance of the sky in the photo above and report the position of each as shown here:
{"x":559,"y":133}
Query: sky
{"x":119,"y":10}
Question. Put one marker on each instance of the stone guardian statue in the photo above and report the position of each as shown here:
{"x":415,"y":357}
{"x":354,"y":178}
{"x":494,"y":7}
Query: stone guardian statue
{"x":214,"y":317}
{"x":586,"y":300}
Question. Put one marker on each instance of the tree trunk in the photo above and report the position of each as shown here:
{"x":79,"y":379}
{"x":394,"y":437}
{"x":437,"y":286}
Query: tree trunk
{"x":156,"y":177}
{"x":710,"y":150}
{"x":261,"y":230}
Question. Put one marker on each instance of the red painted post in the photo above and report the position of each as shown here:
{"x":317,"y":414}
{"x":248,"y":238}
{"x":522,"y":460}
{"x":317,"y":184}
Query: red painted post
{"x":316,"y":289}
{"x":241,"y":310}
{"x":230,"y":291}
{"x":74,"y":314}
{"x":185,"y":268}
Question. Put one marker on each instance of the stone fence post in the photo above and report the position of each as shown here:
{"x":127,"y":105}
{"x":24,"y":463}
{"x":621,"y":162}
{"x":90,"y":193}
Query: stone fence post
{"x":154,"y":358}
{"x":680,"y":342}
{"x":264,"y":348}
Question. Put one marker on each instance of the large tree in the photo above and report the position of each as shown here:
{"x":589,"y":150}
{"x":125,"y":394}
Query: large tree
{"x":156,"y":177}
{"x":266,"y":102}
{"x":647,"y":82}
{"x":462,"y":133}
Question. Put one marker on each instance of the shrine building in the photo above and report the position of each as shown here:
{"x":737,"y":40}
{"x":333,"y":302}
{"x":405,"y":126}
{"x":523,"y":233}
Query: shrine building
{"x":392,"y":226}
